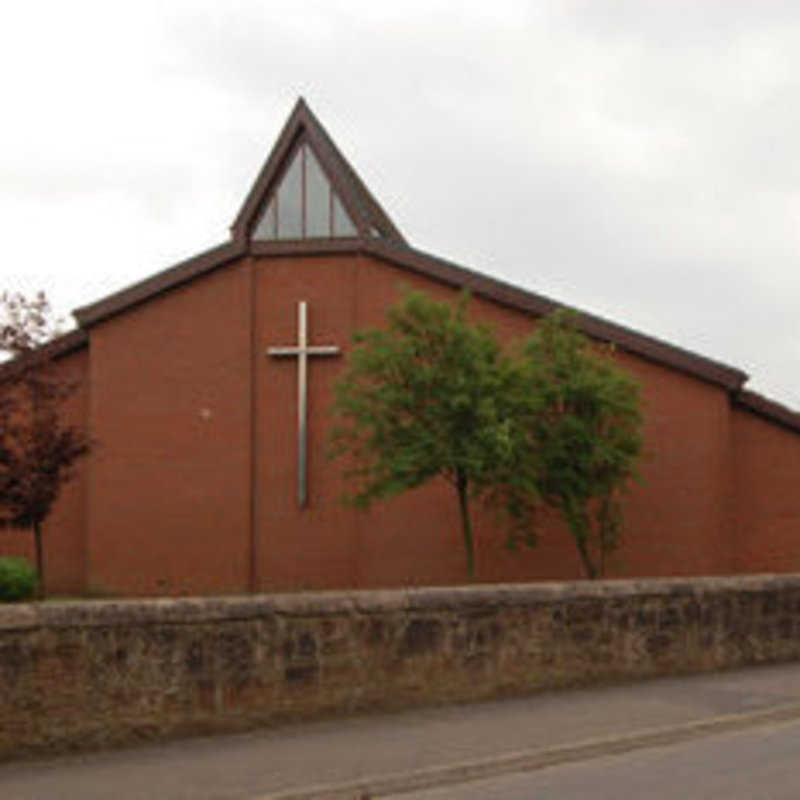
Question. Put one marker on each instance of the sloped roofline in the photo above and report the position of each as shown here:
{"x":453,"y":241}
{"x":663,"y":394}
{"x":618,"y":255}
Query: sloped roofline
{"x":430,"y":266}
{"x":61,"y":346}
{"x":365,"y":211}
{"x":768,"y":409}
{"x":390,"y":246}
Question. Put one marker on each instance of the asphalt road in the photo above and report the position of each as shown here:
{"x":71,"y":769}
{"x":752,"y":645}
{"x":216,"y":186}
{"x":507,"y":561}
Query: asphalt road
{"x":755,"y":764}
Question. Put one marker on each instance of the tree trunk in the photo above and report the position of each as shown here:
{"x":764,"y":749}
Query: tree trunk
{"x":463,"y":503}
{"x":583,"y":549}
{"x":37,"y":538}
{"x":580,"y":527}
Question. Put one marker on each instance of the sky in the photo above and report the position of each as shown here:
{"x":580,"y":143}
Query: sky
{"x":638,"y":160}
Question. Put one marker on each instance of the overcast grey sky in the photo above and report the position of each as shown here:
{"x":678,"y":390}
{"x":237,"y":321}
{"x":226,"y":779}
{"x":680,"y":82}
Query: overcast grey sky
{"x":635,"y":159}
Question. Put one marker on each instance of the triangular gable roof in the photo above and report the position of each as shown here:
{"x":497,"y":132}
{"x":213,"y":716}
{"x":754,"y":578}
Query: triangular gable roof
{"x":390,"y":246}
{"x":366,"y":213}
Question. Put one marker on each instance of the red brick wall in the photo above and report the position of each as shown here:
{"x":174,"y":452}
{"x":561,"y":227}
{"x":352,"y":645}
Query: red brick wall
{"x":170,"y":410}
{"x":767,"y":522}
{"x":318,"y":546}
{"x":677,"y":519}
{"x":180,"y":502}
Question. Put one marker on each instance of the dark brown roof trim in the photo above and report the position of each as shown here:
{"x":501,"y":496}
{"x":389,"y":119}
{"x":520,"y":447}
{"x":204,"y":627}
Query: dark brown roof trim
{"x":349,"y":182}
{"x":60,"y":347}
{"x":160,"y":282}
{"x":768,"y":409}
{"x":362,"y":206}
{"x":245,"y":219}
{"x":509,"y":295}
{"x":67,"y":343}
{"x":447,"y":272}
{"x":305,"y":247}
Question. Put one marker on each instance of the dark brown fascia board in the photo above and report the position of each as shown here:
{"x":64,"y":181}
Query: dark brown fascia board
{"x":160,"y":282}
{"x":346,"y":179}
{"x":279,"y":150}
{"x":201,"y":264}
{"x":67,"y":343}
{"x":307,"y":247}
{"x":357,"y":199}
{"x":430,"y":266}
{"x":512,"y":296}
{"x":55,"y":349}
{"x":768,"y":409}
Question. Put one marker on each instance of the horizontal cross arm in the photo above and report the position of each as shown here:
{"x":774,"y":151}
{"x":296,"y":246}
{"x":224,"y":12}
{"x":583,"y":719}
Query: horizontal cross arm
{"x":316,"y":350}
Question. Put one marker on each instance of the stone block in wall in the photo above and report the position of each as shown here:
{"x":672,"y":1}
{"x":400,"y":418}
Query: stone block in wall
{"x":102,"y":673}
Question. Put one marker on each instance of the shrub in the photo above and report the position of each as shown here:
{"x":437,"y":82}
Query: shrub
{"x":17,"y":580}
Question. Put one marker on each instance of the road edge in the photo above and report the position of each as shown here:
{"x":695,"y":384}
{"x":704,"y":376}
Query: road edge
{"x":374,"y":787}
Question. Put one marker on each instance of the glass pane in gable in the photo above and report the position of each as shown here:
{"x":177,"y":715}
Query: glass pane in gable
{"x":304,"y":204}
{"x":265,"y":229}
{"x":290,"y":201}
{"x":342,"y":224}
{"x":318,"y":198}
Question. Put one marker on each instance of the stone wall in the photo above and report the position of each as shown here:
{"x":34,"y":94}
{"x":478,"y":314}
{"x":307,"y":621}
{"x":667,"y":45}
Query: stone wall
{"x":90,"y":674}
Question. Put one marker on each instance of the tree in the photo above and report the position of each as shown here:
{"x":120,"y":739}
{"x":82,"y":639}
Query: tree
{"x":432,"y":396}
{"x":583,"y":426}
{"x":38,"y":449}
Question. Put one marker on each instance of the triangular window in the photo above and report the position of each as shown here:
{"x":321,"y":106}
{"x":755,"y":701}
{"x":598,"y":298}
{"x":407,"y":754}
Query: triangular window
{"x":304,"y":204}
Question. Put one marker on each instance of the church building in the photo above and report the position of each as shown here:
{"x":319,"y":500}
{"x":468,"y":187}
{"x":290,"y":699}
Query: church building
{"x":207,"y":390}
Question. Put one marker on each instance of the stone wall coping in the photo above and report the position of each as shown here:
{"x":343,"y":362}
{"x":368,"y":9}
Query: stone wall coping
{"x":194,"y":610}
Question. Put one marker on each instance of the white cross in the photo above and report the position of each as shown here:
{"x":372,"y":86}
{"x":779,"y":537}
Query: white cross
{"x":302,"y":351}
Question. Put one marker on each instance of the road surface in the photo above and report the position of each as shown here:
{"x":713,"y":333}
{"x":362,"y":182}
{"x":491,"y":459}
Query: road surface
{"x":755,"y":764}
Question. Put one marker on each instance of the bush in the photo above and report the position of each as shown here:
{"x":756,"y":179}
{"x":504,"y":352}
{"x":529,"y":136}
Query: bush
{"x":17,"y":580}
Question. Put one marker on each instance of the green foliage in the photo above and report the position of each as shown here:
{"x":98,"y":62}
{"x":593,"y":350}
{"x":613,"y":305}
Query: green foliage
{"x":584,"y":430}
{"x":430,"y":396}
{"x":433,"y":395}
{"x":17,"y":580}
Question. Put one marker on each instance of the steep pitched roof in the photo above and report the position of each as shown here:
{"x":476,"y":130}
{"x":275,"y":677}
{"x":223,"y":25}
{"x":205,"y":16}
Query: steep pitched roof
{"x":366,"y":213}
{"x":390,"y":246}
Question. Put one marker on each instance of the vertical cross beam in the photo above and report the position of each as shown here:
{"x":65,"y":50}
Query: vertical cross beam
{"x":302,"y":350}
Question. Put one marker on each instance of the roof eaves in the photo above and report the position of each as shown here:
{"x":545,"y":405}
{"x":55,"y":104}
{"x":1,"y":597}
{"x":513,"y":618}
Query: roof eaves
{"x":768,"y":409}
{"x":431,"y":266}
{"x":67,"y":343}
{"x":507,"y":294}
{"x":57,"y":348}
{"x":160,"y":282}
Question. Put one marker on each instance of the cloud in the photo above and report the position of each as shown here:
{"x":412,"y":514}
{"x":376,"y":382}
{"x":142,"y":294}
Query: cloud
{"x":635,"y":159}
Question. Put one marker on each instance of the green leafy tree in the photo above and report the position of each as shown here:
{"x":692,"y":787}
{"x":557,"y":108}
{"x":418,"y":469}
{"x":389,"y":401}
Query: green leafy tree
{"x":432,"y":396}
{"x":583,"y":422}
{"x":37,"y":447}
